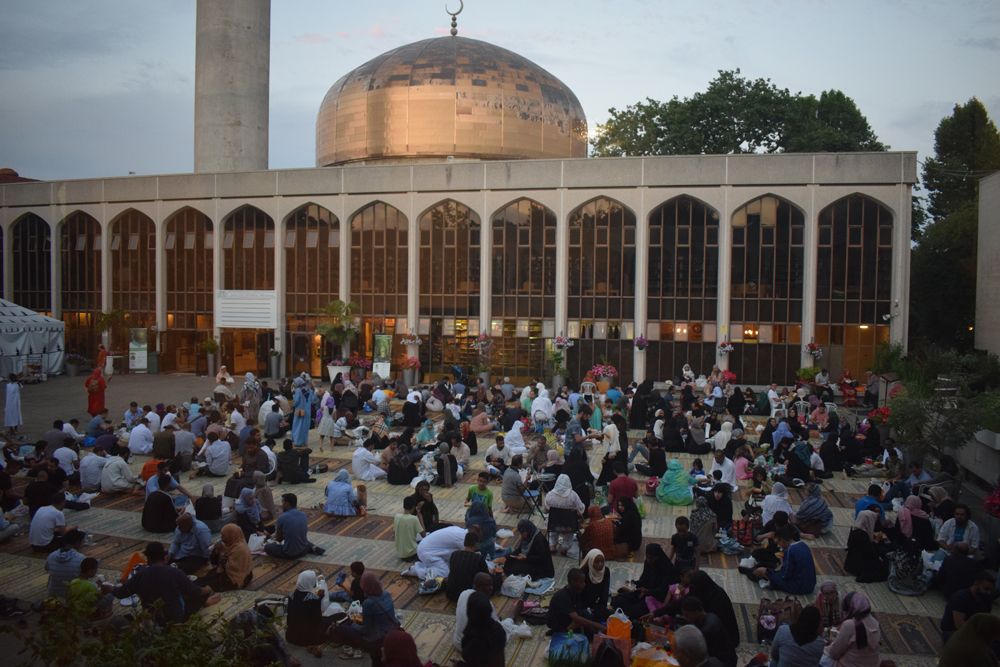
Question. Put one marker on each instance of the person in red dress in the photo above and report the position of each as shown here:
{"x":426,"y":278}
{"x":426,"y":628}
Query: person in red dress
{"x":95,"y":385}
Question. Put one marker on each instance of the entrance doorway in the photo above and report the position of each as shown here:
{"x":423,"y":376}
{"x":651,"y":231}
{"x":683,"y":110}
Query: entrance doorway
{"x":307,"y":353}
{"x":247,"y":350}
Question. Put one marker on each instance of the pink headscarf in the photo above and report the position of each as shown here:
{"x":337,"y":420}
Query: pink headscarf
{"x":912,"y":507}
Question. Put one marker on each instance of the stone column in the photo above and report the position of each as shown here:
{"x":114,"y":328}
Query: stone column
{"x":160,"y":272}
{"x":8,"y":263}
{"x":899,"y":309}
{"x":641,"y":285}
{"x":217,"y":271}
{"x":412,"y":277}
{"x":106,"y":300}
{"x":485,"y":270}
{"x":810,"y":255}
{"x":725,"y":274}
{"x":280,"y":285}
{"x":562,"y":267}
{"x":55,"y":263}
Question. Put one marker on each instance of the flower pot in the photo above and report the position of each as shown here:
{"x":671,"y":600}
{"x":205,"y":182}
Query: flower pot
{"x":557,"y":382}
{"x":72,"y":370}
{"x":485,"y":376}
{"x":343,"y":370}
{"x":275,"y":366}
{"x":410,"y":376}
{"x":211,"y":363}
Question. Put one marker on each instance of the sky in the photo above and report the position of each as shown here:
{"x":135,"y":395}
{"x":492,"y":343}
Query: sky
{"x":105,"y":87}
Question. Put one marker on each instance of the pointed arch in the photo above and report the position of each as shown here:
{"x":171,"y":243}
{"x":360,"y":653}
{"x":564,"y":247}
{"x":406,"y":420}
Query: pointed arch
{"x":379,"y":260}
{"x":188,"y":242}
{"x":133,"y":266}
{"x":81,"y":280}
{"x":31,"y":239}
{"x":312,"y":260}
{"x":198,"y":207}
{"x":768,"y":271}
{"x":524,"y":260}
{"x":248,"y":249}
{"x":450,"y":263}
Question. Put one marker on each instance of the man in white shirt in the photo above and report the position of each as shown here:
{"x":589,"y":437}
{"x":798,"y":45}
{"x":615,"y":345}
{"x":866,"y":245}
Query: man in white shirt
{"x":49,"y":525}
{"x":69,"y":428}
{"x":152,"y":419}
{"x":238,"y":421}
{"x":481,"y":583}
{"x":773,"y":398}
{"x":218,"y":456}
{"x":140,"y":438}
{"x":116,"y":476}
{"x":364,"y":463}
{"x":727,"y":467}
{"x":170,"y":417}
{"x":498,"y":457}
{"x":91,"y":468}
{"x":68,"y":461}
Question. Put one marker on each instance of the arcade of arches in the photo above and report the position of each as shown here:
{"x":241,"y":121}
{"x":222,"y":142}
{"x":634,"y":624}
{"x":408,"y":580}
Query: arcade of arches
{"x":764,"y":294}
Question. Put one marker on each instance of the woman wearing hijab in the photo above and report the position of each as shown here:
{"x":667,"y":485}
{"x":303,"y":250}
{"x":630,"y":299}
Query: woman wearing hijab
{"x":776,"y":501}
{"x":305,"y":623}
{"x":479,"y":515}
{"x":598,"y":589}
{"x":782,"y":431}
{"x":399,"y":650}
{"x":265,"y":498}
{"x":513,"y":440}
{"x":704,"y":525}
{"x":378,"y":620}
{"x":799,"y":643}
{"x":426,"y":435}
{"x":814,"y":516}
{"x":231,"y":560}
{"x":942,"y":504}
{"x":675,"y":485}
{"x":301,"y":412}
{"x":484,"y":640}
{"x":95,"y":384}
{"x":650,"y":589}
{"x":341,"y":498}
{"x":250,"y":394}
{"x":327,"y":420}
{"x":542,"y":410}
{"x":797,"y":462}
{"x":829,"y":452}
{"x":713,"y":598}
{"x":446,"y":466}
{"x":159,"y":514}
{"x":578,"y":471}
{"x":722,"y":438}
{"x":864,"y":558}
{"x":913,"y":523}
{"x":856,"y":645}
{"x":412,"y":410}
{"x":973,"y":643}
{"x":248,"y":516}
{"x":208,"y":509}
{"x":628,"y":526}
{"x":720,"y":501}
{"x":532,"y":555}
{"x":562,"y":496}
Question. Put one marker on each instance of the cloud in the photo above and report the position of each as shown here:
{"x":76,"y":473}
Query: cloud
{"x":377,"y":31}
{"x":312,"y":38}
{"x":987,"y":43}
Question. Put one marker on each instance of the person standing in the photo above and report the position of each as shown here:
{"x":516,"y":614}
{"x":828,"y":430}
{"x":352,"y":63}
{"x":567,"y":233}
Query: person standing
{"x":301,"y":419}
{"x":12,"y":407}
{"x":95,"y":385}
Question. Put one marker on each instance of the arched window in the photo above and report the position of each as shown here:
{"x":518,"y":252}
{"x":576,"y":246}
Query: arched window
{"x":80,"y":249}
{"x":133,"y":267}
{"x":32,"y":255}
{"x":683,"y":287}
{"x":853,"y":281}
{"x":524,"y":286}
{"x":379,"y":267}
{"x":601,"y":286}
{"x":449,"y":283}
{"x":767,"y":279}
{"x":312,"y":279}
{"x":248,"y":250}
{"x":188,"y":242}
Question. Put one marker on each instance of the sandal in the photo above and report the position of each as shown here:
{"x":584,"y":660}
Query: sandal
{"x":347,"y":653}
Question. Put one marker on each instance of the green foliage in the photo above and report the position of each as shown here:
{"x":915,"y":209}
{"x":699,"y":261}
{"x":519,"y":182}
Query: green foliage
{"x":966,"y":147}
{"x":807,"y":373}
{"x":338,"y":321}
{"x":63,"y":637}
{"x":943,"y":280}
{"x":737,"y":115}
{"x":209,"y":345}
{"x":918,"y":217}
{"x":114,"y":321}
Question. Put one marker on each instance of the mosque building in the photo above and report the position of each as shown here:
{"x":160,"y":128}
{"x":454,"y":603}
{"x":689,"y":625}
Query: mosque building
{"x":453,"y":196}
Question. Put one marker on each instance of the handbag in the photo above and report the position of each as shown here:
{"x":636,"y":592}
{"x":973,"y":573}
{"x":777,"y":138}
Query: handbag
{"x":619,"y":626}
{"x":651,"y":485}
{"x":772,"y":613}
{"x":607,"y":650}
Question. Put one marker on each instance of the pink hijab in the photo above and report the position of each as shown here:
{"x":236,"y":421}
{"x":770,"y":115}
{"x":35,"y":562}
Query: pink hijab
{"x":912,"y":507}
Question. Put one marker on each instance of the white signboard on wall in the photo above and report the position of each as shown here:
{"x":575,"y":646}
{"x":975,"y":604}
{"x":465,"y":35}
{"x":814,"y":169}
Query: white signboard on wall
{"x":246,"y":309}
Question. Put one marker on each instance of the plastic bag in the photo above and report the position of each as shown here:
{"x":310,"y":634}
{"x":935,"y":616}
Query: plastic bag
{"x":515,"y":631}
{"x":569,"y":646}
{"x":641,"y":506}
{"x":354,"y":612}
{"x":513,"y":586}
{"x":619,"y":625}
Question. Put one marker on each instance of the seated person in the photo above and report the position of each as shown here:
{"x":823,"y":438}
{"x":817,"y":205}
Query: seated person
{"x":160,"y":511}
{"x":408,"y":530}
{"x":798,"y":571}
{"x":89,"y":597}
{"x":292,"y":532}
{"x":165,"y":591}
{"x":567,"y":610}
{"x":628,"y":526}
{"x":232,"y":563}
{"x":498,"y":457}
{"x":531,"y":556}
{"x":959,"y":530}
{"x":305,"y":623}
{"x":342,"y":499}
{"x":208,"y":509}
{"x":464,"y":565}
{"x":191,"y":545}
{"x":512,"y":489}
{"x":293,"y":464}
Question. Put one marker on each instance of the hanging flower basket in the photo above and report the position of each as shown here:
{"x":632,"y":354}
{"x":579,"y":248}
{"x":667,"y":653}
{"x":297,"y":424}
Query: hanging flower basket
{"x":814,"y":350}
{"x":725,"y":347}
{"x":640,"y":343}
{"x":411,"y":363}
{"x":880,"y":416}
{"x":411,"y":339}
{"x":483,"y":344}
{"x":562,"y":343}
{"x":603,"y":370}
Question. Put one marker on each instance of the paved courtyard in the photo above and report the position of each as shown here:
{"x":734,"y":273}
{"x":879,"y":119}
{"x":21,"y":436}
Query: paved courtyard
{"x":909,"y":625}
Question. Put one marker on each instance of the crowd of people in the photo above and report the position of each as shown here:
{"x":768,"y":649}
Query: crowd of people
{"x":563,"y":456}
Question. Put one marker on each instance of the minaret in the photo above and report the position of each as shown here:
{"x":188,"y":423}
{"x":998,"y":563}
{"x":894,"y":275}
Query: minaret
{"x":231,"y":87}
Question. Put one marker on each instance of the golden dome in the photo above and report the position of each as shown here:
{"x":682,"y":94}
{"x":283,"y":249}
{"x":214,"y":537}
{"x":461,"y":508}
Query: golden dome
{"x":449,"y":96}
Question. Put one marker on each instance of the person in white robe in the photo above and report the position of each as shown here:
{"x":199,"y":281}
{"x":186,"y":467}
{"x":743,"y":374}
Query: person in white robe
{"x":514,"y":441}
{"x":364,"y":464}
{"x":434,"y":552}
{"x":12,"y":406}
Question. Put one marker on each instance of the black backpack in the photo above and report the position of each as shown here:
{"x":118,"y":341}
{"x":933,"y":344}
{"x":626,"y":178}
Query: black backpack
{"x":608,"y":655}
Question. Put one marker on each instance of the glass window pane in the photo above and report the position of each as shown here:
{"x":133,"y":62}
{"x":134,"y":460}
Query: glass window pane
{"x":248,"y":238}
{"x":168,"y":242}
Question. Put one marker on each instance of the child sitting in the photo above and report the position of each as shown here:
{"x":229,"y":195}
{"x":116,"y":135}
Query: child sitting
{"x":354,"y":592}
{"x":697,"y":468}
{"x":88,"y":596}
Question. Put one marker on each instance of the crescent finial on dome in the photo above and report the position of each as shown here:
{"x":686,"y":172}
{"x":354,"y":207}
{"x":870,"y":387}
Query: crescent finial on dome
{"x":454,"y":16}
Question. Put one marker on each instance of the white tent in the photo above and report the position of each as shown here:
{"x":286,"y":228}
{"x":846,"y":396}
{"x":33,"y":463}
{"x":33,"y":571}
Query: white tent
{"x":27,"y":337}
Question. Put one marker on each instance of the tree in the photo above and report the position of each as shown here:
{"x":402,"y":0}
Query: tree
{"x":966,"y":147}
{"x":737,"y":115}
{"x":337,"y":325}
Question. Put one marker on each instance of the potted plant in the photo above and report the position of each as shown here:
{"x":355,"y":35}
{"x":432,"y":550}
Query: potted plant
{"x":640,"y":342}
{"x":725,"y":347}
{"x":814,"y":350}
{"x":337,"y":326}
{"x":411,"y":369}
{"x":210,"y":347}
{"x":879,"y":418}
{"x":337,"y":366}
{"x":806,"y":374}
{"x":359,"y":365}
{"x":73,"y":362}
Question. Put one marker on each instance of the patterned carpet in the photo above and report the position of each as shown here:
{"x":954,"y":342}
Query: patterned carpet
{"x":909,"y":625}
